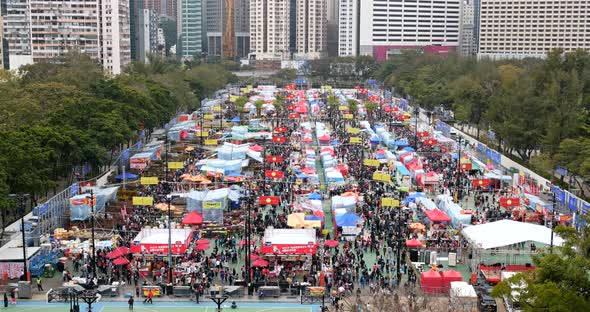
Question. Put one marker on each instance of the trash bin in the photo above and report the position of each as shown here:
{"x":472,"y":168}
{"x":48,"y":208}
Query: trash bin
{"x":24,"y":290}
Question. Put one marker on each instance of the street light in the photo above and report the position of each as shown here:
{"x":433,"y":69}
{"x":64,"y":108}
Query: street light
{"x":167,"y":192}
{"x":416,"y":115}
{"x":91,"y":198}
{"x":458,"y":191}
{"x":22,"y":198}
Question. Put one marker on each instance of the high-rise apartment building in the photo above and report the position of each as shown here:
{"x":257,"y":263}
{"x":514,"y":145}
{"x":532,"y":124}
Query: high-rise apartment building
{"x":228,"y":27}
{"x":467,"y":39}
{"x":312,"y":31}
{"x":332,"y":27}
{"x":165,"y":8}
{"x":387,"y":27}
{"x":1,"y":43}
{"x":270,"y":29}
{"x":190,"y":28}
{"x":148,"y":34}
{"x":43,"y":30}
{"x":531,"y":28}
{"x":348,"y":27}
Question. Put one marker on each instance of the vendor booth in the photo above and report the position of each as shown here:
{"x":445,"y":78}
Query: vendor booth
{"x":289,"y":242}
{"x":155,"y":241}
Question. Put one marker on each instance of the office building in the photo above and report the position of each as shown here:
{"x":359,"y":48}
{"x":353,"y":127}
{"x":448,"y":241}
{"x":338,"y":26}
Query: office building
{"x":190,"y":29}
{"x":348,"y":27}
{"x":270,"y":29}
{"x":527,"y":28}
{"x":467,"y":39}
{"x":163,"y":8}
{"x":312,"y":29}
{"x":148,"y":36}
{"x":391,"y":26}
{"x":228,"y":28}
{"x":44,"y":30}
{"x":135,"y":20}
{"x":332,"y":27}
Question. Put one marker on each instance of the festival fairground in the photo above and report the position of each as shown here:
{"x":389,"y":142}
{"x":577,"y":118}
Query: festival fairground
{"x":301,"y":195}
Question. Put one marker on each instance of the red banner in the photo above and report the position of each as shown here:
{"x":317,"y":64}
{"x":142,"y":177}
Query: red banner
{"x":268,"y":200}
{"x":274,"y":159}
{"x":480,"y":182}
{"x":466,"y":166}
{"x":509,"y":202}
{"x":273,"y":174}
{"x":430,"y":142}
{"x":290,"y":107}
{"x":281,"y":129}
{"x":279,"y":139}
{"x":288,"y":249}
{"x":293,"y":116}
{"x":423,"y":134}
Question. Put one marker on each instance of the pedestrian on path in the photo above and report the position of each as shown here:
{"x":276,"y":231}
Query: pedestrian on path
{"x":148,"y":298}
{"x":5,"y":300}
{"x":130,"y":302}
{"x":39,"y":285}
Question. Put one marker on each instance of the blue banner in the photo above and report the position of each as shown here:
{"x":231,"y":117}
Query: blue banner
{"x":125,"y":155}
{"x":74,"y":189}
{"x":488,"y":153}
{"x":559,"y":194}
{"x":496,"y":157}
{"x":40,"y":210}
{"x":585,"y":208}
{"x":561,"y":171}
{"x":572,"y":202}
{"x":481,"y":148}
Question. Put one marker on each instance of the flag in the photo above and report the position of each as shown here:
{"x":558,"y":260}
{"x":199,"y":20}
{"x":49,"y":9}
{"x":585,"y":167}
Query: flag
{"x":509,"y":202}
{"x":268,"y":200}
{"x":280,"y":129}
{"x":466,"y":166}
{"x":290,"y":107}
{"x":423,"y":134}
{"x":480,"y":182}
{"x":430,"y":142}
{"x":293,"y":116}
{"x":279,"y":139}
{"x":274,"y":159}
{"x":274,"y":174}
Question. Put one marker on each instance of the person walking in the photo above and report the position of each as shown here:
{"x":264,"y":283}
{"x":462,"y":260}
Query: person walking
{"x":148,"y":298}
{"x":39,"y":285}
{"x":13,"y":297}
{"x":5,"y":300}
{"x":130,"y":302}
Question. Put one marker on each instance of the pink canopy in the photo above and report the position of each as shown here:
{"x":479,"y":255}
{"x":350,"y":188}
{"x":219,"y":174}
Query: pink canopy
{"x":202,"y":247}
{"x":260,"y":263}
{"x":324,"y":138}
{"x":256,"y":148}
{"x":437,"y":215}
{"x":120,"y":261}
{"x":413,"y":243}
{"x":331,"y":243}
{"x":431,"y":282}
{"x":307,"y":140}
{"x":451,"y":276}
{"x":193,"y":217}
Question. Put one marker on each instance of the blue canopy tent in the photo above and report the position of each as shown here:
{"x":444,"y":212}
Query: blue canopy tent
{"x":235,"y":119}
{"x":302,"y":176}
{"x":401,"y":143}
{"x":347,"y":219}
{"x":126,"y":176}
{"x":413,"y":196}
{"x":335,"y":143}
{"x":314,"y":195}
{"x":374,"y":139}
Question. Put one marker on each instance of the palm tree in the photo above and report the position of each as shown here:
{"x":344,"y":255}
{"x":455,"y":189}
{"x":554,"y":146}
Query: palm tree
{"x":353,"y":106}
{"x":240,"y":103}
{"x":258,"y":104}
{"x":371,"y":108}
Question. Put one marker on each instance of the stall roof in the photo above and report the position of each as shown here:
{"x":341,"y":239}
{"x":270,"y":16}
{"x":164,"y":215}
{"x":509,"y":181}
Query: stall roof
{"x":15,"y":254}
{"x":508,"y":232}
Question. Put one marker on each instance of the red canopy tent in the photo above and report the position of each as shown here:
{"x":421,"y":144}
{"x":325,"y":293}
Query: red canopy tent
{"x":331,"y":243}
{"x":260,"y":263}
{"x":413,"y":243}
{"x":437,"y":215}
{"x":307,"y":140}
{"x":193,"y":217}
{"x":120,"y":261}
{"x":451,"y":276}
{"x":431,"y":282}
{"x":324,"y":138}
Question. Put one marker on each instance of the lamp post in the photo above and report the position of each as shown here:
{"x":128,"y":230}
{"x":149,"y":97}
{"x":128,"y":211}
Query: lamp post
{"x":22,"y":198}
{"x":552,"y":220}
{"x":92,"y":203}
{"x":416,"y":115}
{"x":167,"y":192}
{"x":458,"y":179}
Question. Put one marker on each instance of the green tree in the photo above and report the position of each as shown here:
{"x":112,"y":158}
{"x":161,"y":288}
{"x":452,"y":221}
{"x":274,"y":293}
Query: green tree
{"x":371,"y":108}
{"x":258,"y":105}
{"x":560,"y":281}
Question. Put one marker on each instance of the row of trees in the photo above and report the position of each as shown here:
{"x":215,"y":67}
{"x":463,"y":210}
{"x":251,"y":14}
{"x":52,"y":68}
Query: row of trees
{"x":533,"y":106}
{"x":57,"y":118}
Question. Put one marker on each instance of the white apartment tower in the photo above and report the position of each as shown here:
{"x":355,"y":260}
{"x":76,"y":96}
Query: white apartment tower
{"x":115,"y":32}
{"x":531,"y":28}
{"x":386,"y":27}
{"x":467,"y":40}
{"x":269,"y":29}
{"x":43,"y":30}
{"x":312,"y":31}
{"x":348,"y":32}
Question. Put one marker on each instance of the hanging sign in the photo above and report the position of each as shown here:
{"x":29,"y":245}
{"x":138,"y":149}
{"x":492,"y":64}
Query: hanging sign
{"x":211,"y":205}
{"x":175,"y":165}
{"x":383,"y":177}
{"x":211,"y":142}
{"x":372,"y":162}
{"x":149,"y":180}
{"x":389,"y":202}
{"x":143,"y":201}
{"x":356,"y":140}
{"x":353,"y":130}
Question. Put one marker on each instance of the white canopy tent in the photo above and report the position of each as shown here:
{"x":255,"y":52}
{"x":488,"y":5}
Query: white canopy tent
{"x":505,"y":233}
